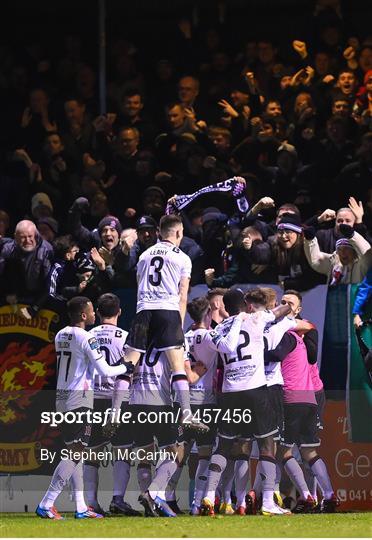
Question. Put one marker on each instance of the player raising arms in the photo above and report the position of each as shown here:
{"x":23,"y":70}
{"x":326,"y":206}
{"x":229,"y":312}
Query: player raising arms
{"x":78,"y":357}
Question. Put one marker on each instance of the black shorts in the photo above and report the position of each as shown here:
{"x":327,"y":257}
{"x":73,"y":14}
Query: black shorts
{"x":234,"y":418}
{"x":77,"y":432}
{"x":123,"y":436}
{"x":300,"y":425}
{"x":206,"y":414}
{"x":277,"y":411}
{"x":151,"y":421}
{"x":321,"y":402}
{"x":160,"y":327}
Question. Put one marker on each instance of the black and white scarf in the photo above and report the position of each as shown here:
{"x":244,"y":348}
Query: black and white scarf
{"x":230,"y":185}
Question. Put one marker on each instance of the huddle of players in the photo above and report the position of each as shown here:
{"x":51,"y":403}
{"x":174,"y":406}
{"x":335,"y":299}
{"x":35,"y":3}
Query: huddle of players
{"x":165,"y":379}
{"x":272,"y":372}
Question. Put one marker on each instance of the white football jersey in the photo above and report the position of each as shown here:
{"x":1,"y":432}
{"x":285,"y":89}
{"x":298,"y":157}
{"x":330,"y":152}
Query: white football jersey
{"x":245,"y":368}
{"x":77,"y":351}
{"x":273,"y":334}
{"x":203,"y":391}
{"x":111,"y":340}
{"x":159,"y":271}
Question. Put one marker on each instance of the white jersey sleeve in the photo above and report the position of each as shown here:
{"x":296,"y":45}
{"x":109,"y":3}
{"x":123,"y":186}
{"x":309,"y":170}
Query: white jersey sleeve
{"x":273,"y":333}
{"x":224,"y":338}
{"x":159,"y":272}
{"x":267,"y":315}
{"x":204,"y":390}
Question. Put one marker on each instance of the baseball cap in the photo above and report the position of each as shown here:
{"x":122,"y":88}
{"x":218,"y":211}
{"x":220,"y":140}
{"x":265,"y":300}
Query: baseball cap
{"x":146,"y":222}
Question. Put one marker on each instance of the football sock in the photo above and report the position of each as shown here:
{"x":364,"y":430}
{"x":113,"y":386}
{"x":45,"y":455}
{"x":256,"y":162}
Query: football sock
{"x":295,"y":473}
{"x":163,"y":474}
{"x":121,"y":474}
{"x":319,"y":468}
{"x":180,"y":384}
{"x":267,"y":473}
{"x":200,"y":480}
{"x":77,"y":481}
{"x":227,"y":481}
{"x":241,"y":473}
{"x":144,"y":476}
{"x":170,"y":491}
{"x":257,"y":486}
{"x":91,"y":478}
{"x":61,"y":476}
{"x":215,"y":469}
{"x":278,"y":477}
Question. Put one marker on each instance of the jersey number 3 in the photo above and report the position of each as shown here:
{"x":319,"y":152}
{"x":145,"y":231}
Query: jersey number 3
{"x":156,"y":265}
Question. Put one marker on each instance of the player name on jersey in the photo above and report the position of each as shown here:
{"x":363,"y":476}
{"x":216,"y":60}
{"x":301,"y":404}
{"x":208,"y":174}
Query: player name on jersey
{"x":111,"y":340}
{"x":159,"y":270}
{"x":77,"y":351}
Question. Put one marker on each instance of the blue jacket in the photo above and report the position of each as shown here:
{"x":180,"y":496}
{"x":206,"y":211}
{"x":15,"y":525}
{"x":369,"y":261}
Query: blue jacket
{"x":363,"y":294}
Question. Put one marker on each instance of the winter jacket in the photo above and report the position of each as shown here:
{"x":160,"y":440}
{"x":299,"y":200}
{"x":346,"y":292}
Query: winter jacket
{"x":330,"y":264}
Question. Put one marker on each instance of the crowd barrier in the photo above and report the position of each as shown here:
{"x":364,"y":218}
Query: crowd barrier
{"x":27,"y":382}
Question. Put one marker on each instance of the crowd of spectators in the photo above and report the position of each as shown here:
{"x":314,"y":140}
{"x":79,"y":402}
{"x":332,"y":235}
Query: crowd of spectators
{"x":81,"y":193}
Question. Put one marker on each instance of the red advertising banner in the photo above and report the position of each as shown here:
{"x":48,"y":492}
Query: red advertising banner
{"x":349,"y":464}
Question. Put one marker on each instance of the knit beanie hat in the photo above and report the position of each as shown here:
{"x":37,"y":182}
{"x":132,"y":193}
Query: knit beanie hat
{"x":292,"y":222}
{"x":110,"y":221}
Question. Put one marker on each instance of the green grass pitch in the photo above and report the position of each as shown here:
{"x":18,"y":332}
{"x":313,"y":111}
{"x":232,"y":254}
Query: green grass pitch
{"x":329,"y":525}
